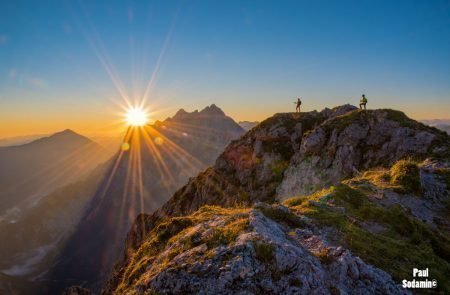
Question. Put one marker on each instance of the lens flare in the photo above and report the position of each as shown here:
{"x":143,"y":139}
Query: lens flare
{"x":136,"y":117}
{"x":125,"y":146}
{"x":159,"y":140}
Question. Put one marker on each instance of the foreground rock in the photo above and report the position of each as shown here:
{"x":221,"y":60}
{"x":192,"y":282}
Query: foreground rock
{"x":242,"y":251}
{"x":76,"y":290}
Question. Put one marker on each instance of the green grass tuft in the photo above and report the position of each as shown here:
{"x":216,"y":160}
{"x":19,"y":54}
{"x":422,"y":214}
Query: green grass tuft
{"x":406,"y":173}
{"x":278,"y":169}
{"x":287,"y":217}
{"x":227,"y":234}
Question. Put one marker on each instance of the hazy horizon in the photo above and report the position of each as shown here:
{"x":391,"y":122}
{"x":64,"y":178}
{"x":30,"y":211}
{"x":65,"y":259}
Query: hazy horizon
{"x":119,"y":133}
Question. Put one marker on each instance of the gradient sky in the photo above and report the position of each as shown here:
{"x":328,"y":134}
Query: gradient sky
{"x":70,"y":64}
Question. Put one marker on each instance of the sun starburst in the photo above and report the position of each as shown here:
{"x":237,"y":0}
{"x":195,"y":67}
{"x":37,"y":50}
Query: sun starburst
{"x":136,"y":117}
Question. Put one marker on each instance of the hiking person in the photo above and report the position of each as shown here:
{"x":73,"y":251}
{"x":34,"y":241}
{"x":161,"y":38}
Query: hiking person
{"x":299,"y":103}
{"x":363,"y":102}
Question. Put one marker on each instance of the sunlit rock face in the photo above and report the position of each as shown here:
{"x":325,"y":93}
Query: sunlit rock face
{"x":368,"y":202}
{"x":356,"y":141}
{"x":157,"y":160}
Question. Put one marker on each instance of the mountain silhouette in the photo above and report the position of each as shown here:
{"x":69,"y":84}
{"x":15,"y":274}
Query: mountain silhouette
{"x":20,"y":140}
{"x":32,"y":170}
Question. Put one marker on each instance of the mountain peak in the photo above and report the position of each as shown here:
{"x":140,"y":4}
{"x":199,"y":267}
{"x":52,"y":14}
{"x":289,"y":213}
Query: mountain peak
{"x":212,"y":110}
{"x":209,"y":112}
{"x":67,"y":136}
{"x":180,"y":114}
{"x":67,"y":132}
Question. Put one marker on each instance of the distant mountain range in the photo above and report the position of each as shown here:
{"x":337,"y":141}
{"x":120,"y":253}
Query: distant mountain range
{"x":30,"y":171}
{"x":443,"y":124}
{"x":81,"y":227}
{"x":247,"y":125}
{"x":19,"y":140}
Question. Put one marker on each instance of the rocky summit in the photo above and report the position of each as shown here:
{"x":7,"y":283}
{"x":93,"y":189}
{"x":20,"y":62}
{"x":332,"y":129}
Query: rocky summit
{"x":344,"y":145}
{"x":340,"y":201}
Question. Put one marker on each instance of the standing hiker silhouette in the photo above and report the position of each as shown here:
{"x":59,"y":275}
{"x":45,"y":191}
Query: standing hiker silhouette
{"x":299,"y":103}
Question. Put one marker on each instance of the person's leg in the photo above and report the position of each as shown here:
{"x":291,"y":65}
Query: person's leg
{"x":364,"y":106}
{"x":360,"y":106}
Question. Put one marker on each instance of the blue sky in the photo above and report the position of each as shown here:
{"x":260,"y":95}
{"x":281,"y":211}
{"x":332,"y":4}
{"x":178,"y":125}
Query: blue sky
{"x":60,"y":60}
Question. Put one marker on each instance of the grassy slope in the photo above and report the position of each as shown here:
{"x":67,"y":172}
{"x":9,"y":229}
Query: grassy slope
{"x":173,"y":234}
{"x":400,"y":244}
{"x":403,"y":243}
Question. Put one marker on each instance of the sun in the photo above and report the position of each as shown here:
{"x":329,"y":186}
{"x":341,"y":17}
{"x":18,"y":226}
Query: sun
{"x":136,"y":117}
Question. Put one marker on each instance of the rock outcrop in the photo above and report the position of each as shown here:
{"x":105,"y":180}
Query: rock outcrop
{"x":242,"y":251}
{"x":353,"y":142}
{"x":434,"y":180}
{"x":76,"y":290}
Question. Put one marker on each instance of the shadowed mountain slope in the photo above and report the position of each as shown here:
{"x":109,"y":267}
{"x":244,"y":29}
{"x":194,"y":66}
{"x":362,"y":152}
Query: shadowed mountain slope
{"x":32,"y":170}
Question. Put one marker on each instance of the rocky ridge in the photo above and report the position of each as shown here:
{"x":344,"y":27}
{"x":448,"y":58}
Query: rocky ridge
{"x":243,"y":251}
{"x":380,"y":168}
{"x":278,"y":158}
{"x":353,"y":142}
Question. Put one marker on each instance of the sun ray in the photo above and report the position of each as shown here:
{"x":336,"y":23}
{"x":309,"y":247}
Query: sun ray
{"x":158,"y":62}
